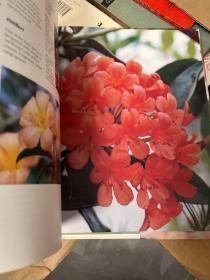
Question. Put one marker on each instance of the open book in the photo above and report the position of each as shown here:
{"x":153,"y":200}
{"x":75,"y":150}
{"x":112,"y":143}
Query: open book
{"x":104,"y":133}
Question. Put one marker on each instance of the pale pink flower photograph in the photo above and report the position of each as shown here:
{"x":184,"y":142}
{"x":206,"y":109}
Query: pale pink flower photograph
{"x":29,"y":132}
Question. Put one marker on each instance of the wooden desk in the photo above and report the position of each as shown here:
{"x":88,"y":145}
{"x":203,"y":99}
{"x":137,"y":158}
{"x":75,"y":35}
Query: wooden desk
{"x":194,"y":255}
{"x":43,"y":268}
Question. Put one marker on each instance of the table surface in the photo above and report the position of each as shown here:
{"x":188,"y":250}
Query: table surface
{"x":43,"y":268}
{"x":194,"y":255}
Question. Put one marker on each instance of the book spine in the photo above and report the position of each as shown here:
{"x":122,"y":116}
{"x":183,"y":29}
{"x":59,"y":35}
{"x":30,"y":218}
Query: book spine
{"x":129,"y":13}
{"x":165,"y":12}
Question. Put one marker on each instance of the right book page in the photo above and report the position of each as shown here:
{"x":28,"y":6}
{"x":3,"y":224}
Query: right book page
{"x":134,"y":133}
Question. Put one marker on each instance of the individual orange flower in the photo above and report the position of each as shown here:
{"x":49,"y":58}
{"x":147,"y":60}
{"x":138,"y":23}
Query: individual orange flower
{"x":116,"y":76}
{"x":138,"y":100}
{"x":165,"y":136}
{"x":82,"y":97}
{"x":181,"y":185}
{"x":157,"y":170}
{"x":186,"y":150}
{"x":79,"y":69}
{"x":159,"y":214}
{"x":161,"y":178}
{"x":154,"y":217}
{"x":83,"y":131}
{"x":135,"y":125}
{"x":37,"y":120}
{"x":134,"y":67}
{"x":127,"y":134}
{"x":169,"y":105}
{"x":161,"y":181}
{"x":11,"y":171}
{"x":153,"y":85}
{"x":112,"y":172}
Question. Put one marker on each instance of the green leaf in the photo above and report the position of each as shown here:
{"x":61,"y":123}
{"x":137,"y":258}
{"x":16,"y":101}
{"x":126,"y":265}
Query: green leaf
{"x":199,"y":98}
{"x":184,"y":85}
{"x":92,"y":220}
{"x":33,"y":152}
{"x":95,"y":45}
{"x":170,"y":71}
{"x":37,"y":172}
{"x":118,"y":44}
{"x":182,"y":77}
{"x":203,"y":193}
{"x":205,"y":120}
{"x":167,"y":39}
{"x":205,"y":123}
{"x":204,"y":156}
{"x":191,"y":50}
{"x":78,"y":191}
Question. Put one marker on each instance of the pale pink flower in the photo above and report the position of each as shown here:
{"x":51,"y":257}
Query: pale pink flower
{"x":37,"y":120}
{"x":11,"y":171}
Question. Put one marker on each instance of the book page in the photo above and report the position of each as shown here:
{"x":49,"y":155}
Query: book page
{"x":29,"y":133}
{"x":134,"y":134}
{"x":80,"y":12}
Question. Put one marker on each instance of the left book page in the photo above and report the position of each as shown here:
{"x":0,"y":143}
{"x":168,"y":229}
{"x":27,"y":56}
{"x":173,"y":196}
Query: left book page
{"x":29,"y":133}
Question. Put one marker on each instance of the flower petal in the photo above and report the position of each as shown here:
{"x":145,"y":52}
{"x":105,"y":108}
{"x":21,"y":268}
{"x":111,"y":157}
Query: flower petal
{"x":78,"y":158}
{"x":157,"y":219}
{"x":123,"y":193}
{"x":30,"y":136}
{"x":139,"y":148}
{"x":132,"y":173}
{"x":133,"y":67}
{"x":160,"y":193}
{"x":120,"y":158}
{"x":104,"y":195}
{"x":42,"y":100}
{"x":145,"y":224}
{"x":110,"y":97}
{"x":117,"y":71}
{"x":46,"y":140}
{"x":109,"y":136}
{"x":97,"y":175}
{"x":103,"y":62}
{"x":129,"y":81}
{"x":185,"y":189}
{"x":100,"y":158}
{"x":71,"y":138}
{"x":22,"y":175}
{"x":7,"y":177}
{"x":143,"y":199}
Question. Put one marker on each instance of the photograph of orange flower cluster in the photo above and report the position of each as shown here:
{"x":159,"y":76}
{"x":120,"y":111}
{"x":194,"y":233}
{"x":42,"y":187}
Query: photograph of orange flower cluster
{"x":134,"y":129}
{"x":29,"y":132}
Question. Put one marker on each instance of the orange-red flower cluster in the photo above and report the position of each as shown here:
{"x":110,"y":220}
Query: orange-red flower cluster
{"x":127,"y":123}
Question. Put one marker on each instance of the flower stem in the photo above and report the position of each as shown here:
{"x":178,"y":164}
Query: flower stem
{"x":93,"y":34}
{"x":204,"y":142}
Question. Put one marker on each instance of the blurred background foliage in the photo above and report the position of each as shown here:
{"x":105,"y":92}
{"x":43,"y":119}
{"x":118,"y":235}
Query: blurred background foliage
{"x":168,"y":44}
{"x":16,"y":90}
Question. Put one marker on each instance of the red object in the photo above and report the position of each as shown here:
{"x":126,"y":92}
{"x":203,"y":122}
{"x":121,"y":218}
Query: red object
{"x":169,"y":12}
